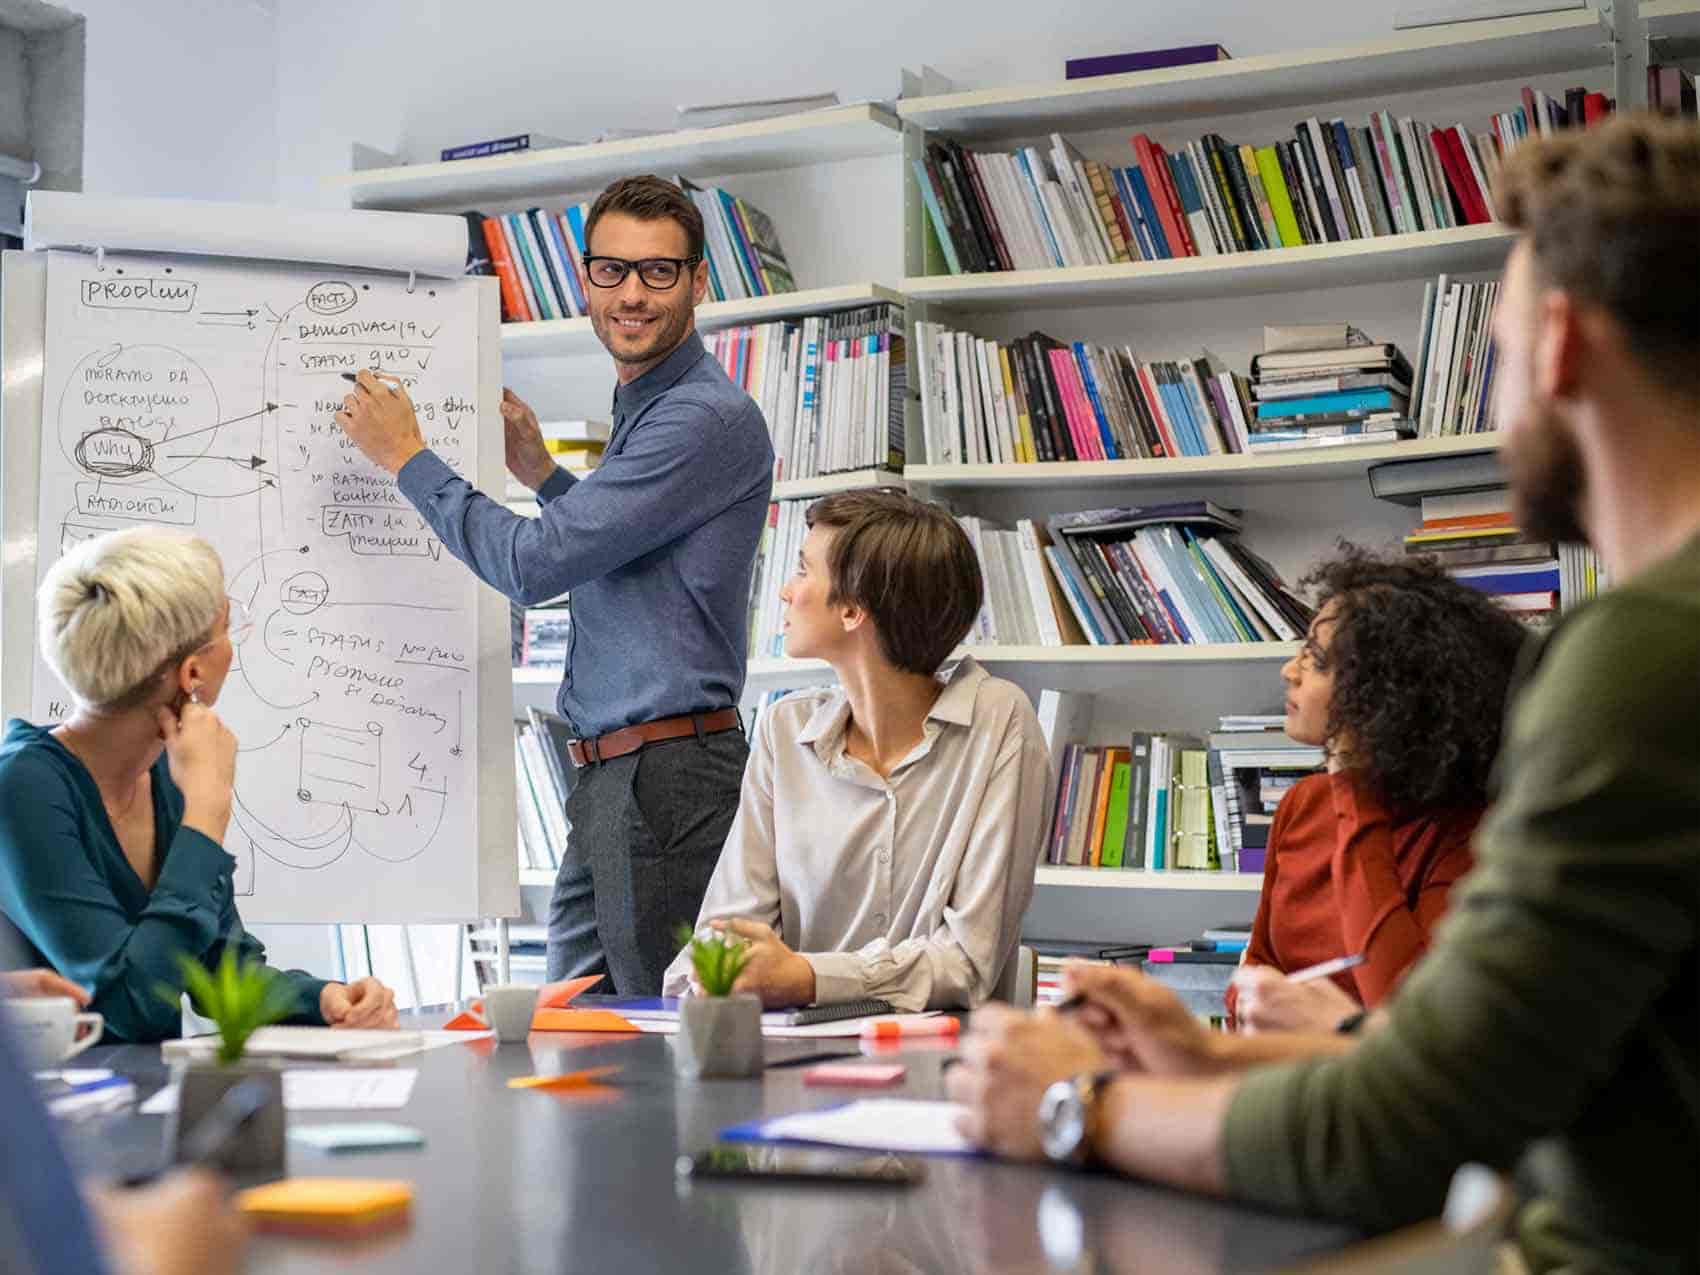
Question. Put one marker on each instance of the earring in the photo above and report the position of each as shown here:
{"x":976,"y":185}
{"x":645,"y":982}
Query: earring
{"x":194,"y":695}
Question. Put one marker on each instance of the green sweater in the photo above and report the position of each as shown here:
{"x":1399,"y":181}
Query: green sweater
{"x":1555,"y":1022}
{"x":67,"y":887}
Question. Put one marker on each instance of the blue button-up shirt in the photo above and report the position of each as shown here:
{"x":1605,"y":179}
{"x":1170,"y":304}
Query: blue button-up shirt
{"x":656,"y":545}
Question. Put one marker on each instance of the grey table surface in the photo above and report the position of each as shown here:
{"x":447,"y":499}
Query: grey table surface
{"x":530,"y":1181}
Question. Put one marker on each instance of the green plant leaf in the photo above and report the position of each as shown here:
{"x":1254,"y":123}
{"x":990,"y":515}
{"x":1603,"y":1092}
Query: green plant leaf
{"x":718,"y":959}
{"x":240,"y":996}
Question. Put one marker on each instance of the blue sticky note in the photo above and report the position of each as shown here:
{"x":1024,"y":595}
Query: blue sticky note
{"x":360,"y":1136}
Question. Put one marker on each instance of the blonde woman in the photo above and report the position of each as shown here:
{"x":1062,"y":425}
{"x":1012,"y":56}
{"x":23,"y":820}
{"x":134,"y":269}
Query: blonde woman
{"x":112,"y":823}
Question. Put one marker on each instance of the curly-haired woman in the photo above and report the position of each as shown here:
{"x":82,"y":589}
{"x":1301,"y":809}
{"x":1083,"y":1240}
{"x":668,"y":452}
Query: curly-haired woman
{"x":1402,"y":680}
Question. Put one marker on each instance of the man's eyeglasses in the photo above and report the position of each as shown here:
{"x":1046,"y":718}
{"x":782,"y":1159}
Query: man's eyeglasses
{"x":657,"y":273}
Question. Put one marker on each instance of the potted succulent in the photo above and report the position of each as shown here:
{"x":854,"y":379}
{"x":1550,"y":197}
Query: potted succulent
{"x":719,"y":1031}
{"x":240,"y":997}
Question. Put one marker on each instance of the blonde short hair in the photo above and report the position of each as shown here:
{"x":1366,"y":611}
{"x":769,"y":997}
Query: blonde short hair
{"x":115,"y":610}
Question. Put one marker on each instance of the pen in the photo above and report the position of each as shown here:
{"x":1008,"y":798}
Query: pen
{"x":1326,"y":968}
{"x":895,"y":1029}
{"x":813,"y":1058}
{"x":349,"y":376}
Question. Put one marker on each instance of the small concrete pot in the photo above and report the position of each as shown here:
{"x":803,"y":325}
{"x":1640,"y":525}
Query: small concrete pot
{"x":719,"y":1036}
{"x":260,"y":1149}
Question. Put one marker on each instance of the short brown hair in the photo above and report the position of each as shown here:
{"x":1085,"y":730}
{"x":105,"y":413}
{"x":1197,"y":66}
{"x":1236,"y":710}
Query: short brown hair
{"x":909,"y":566}
{"x":1612,"y":215}
{"x":648,"y":198}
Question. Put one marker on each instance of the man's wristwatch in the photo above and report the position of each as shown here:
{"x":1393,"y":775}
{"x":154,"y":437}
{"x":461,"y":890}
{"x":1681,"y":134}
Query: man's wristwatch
{"x":1068,"y":1116}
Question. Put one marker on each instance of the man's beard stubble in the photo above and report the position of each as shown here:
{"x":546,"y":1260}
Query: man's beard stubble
{"x":1547,"y":482}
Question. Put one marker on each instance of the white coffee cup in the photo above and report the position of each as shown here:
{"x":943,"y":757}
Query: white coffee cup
{"x":49,"y":1029}
{"x":508,"y":1007}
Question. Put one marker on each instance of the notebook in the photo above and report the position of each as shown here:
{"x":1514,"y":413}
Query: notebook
{"x":835,"y":1012}
{"x":303,"y":1042}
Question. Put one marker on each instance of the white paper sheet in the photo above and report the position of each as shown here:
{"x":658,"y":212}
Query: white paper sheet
{"x":877,"y":1124}
{"x":431,"y":244}
{"x":324,"y":1089}
{"x":199,"y":394}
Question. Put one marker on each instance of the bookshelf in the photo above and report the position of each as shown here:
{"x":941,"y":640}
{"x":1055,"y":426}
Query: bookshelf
{"x":1300,"y":465}
{"x":1464,"y":249}
{"x":1304,"y":498}
{"x":574,"y":337}
{"x":1428,"y":58}
{"x":768,"y":673}
{"x":789,"y":141}
{"x":1137,"y":879}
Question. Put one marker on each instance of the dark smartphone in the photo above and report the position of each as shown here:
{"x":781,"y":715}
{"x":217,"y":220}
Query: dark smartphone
{"x":801,"y":1164}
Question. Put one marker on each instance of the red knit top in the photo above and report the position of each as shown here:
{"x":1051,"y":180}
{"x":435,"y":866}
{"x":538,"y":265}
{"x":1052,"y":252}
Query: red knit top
{"x":1344,"y":876}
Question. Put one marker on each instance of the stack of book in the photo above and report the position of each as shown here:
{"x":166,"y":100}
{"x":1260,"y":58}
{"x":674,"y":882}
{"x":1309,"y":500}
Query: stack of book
{"x":537,"y":259}
{"x":1670,"y":89}
{"x":1252,"y":765}
{"x":1541,"y":115}
{"x":1023,"y":605}
{"x":1035,"y":208}
{"x":1039,"y":399}
{"x":1164,"y":801}
{"x":744,"y":256}
{"x":1330,"y":387}
{"x":537,"y":255}
{"x":776,"y":557}
{"x":1166,"y":574}
{"x":541,"y":634}
{"x":1455,"y":360}
{"x":541,"y":789}
{"x":831,"y":387}
{"x":1144,"y":806}
{"x":1475,"y":538}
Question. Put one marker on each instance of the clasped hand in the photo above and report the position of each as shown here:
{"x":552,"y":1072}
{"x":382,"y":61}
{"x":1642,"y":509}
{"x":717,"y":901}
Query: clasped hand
{"x":1127,"y":1023}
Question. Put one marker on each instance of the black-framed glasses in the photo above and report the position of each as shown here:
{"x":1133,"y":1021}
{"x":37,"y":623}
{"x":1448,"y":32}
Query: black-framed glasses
{"x":657,"y":273}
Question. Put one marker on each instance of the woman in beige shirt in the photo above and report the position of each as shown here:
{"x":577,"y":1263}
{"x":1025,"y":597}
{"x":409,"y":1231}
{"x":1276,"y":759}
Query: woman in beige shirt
{"x":889,"y":826}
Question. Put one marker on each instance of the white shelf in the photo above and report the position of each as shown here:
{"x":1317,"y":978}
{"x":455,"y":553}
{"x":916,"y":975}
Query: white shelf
{"x":1462,"y":250}
{"x":1132,"y":879}
{"x":831,"y":484}
{"x":1677,"y":24}
{"x":559,"y":338}
{"x":536,"y":876}
{"x":788,"y":141}
{"x":1297,"y":465}
{"x":1432,"y":57}
{"x":1191,"y":654}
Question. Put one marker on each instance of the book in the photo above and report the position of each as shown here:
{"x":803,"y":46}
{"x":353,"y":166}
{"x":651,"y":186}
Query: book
{"x":502,"y":146}
{"x":1147,"y":60}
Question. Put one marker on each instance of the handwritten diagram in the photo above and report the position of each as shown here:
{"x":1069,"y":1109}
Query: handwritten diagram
{"x":200,"y":394}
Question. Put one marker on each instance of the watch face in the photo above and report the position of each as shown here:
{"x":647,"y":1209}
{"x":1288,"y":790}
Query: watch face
{"x":1062,"y":1121}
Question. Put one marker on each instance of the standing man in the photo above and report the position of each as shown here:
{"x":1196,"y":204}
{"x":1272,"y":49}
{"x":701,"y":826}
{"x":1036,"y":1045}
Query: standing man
{"x":656,"y":547}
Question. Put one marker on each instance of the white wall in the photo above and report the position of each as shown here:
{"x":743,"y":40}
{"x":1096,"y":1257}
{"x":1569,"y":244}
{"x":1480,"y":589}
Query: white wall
{"x":416,"y":75}
{"x":181,"y":98}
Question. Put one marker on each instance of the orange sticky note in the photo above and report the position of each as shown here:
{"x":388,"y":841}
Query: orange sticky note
{"x":559,"y":995}
{"x":580,"y":1020}
{"x":571,"y":1080}
{"x":327,"y":1206}
{"x":470,"y":1021}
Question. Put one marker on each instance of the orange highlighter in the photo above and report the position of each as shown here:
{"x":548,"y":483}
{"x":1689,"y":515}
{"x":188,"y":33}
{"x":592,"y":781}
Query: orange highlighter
{"x":903,"y":1029}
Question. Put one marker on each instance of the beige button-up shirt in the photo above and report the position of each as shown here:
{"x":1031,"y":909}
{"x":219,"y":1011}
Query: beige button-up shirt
{"x":910,"y":888}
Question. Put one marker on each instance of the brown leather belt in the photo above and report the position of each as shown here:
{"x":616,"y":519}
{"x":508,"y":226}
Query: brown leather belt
{"x":628,"y":739}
